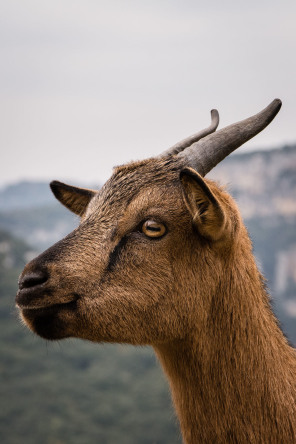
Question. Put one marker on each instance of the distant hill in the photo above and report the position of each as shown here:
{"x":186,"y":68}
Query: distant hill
{"x":25,"y":194}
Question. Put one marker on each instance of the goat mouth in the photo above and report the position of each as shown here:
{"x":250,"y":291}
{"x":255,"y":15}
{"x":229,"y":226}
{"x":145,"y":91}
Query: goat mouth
{"x":34,"y":307}
{"x":48,"y":321}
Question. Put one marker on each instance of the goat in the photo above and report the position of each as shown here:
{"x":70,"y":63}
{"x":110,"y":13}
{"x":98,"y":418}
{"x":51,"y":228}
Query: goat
{"x":162,"y":258}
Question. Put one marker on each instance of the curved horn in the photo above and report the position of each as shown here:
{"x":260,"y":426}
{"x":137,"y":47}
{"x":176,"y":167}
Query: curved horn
{"x":204,"y":155}
{"x":180,"y":146}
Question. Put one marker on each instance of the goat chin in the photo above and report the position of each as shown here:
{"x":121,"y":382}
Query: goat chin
{"x":49,"y":322}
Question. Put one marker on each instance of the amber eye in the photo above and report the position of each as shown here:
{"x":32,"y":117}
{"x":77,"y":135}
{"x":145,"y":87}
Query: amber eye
{"x":151,"y":228}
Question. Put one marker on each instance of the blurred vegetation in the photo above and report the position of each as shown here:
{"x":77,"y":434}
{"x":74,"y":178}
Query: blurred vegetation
{"x":72,"y":391}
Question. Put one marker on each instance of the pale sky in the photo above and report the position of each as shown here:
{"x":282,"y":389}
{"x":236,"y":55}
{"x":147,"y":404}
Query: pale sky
{"x":86,"y":85}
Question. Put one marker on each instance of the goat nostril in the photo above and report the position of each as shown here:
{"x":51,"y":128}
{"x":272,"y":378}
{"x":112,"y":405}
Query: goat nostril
{"x":32,"y":279}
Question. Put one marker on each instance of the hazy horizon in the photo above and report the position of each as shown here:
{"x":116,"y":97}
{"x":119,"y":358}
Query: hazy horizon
{"x":98,"y":183}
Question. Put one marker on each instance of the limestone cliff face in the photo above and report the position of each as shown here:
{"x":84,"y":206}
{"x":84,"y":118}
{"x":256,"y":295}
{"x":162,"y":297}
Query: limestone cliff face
{"x":263,"y":182}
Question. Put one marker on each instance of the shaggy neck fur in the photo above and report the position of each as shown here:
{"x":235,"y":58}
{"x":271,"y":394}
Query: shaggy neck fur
{"x":233,"y":380}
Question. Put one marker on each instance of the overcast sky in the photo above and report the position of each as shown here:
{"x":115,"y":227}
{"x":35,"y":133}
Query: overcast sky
{"x":89,"y":84}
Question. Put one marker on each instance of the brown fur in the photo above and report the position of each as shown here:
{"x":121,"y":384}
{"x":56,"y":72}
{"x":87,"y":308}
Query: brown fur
{"x":195,"y":295}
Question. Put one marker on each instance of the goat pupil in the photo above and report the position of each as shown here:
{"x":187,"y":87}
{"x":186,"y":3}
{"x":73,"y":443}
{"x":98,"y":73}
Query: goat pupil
{"x":153,"y":228}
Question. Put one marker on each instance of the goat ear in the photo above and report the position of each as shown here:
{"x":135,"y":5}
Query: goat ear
{"x":207,"y":212}
{"x":74,"y":198}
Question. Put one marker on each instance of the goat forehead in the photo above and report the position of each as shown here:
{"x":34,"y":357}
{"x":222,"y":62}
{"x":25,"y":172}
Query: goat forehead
{"x":129,"y":180}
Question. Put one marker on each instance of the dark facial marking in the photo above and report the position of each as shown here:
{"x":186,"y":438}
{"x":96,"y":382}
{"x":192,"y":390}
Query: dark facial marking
{"x":115,"y":253}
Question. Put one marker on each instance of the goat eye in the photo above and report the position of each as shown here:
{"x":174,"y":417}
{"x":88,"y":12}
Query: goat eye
{"x":151,"y":228}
